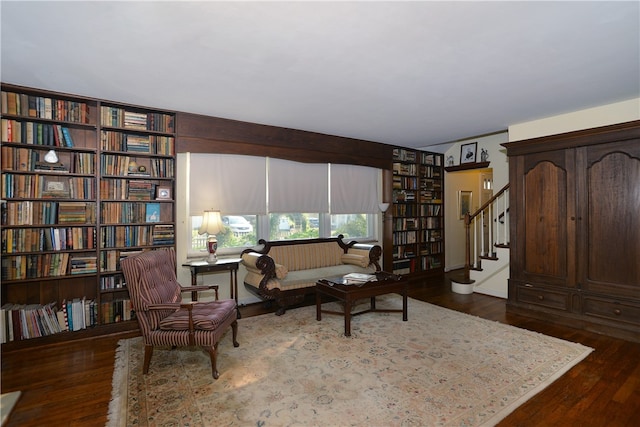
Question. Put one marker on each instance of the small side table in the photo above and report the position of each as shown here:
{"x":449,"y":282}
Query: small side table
{"x":203,"y":267}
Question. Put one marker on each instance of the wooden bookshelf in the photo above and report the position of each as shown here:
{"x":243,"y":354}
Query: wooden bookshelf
{"x":66,"y":224}
{"x":417,"y":212}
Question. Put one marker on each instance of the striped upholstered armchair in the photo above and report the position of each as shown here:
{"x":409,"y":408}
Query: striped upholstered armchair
{"x":164,"y":319}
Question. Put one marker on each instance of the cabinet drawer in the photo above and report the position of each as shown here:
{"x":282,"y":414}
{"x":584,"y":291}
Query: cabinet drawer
{"x":531,"y":294}
{"x":620,"y":311}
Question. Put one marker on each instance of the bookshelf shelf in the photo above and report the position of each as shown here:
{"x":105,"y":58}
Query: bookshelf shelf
{"x":63,"y":222}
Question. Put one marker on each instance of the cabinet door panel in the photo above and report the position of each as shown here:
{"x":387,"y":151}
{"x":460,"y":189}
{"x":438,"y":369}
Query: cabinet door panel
{"x":547,"y":235}
{"x":610,"y":244}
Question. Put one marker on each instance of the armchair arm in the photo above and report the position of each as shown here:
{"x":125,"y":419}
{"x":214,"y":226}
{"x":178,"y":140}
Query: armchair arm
{"x":171,"y":306}
{"x":195,"y":289}
{"x":177,"y":305}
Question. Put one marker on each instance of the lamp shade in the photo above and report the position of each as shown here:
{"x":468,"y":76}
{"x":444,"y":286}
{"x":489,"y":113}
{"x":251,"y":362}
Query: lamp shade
{"x":211,"y":223}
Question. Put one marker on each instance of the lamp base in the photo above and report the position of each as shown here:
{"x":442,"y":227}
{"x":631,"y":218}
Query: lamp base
{"x":212,"y":247}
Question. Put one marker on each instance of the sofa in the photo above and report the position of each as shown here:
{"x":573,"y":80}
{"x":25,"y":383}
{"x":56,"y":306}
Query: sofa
{"x":285,"y":271}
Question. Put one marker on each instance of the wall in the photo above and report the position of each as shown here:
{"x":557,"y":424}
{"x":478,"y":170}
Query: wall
{"x":466,"y":180}
{"x":608,"y":114}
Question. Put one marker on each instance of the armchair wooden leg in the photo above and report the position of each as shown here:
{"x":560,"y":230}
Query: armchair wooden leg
{"x":213,"y":354}
{"x":148,"y":352}
{"x":234,"y":328}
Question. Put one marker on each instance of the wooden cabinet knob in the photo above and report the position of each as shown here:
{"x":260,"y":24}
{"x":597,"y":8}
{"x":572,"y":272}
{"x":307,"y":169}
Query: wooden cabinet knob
{"x":540,"y":297}
{"x":617,"y":312}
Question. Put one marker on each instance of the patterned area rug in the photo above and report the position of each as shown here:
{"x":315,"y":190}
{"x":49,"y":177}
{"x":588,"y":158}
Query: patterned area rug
{"x":440,"y":368}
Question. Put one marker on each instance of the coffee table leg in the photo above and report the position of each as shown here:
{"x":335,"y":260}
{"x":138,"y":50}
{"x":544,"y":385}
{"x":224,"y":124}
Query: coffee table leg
{"x":405,"y":316}
{"x":347,"y":318}
{"x":373,"y":303}
{"x":318,"y":306}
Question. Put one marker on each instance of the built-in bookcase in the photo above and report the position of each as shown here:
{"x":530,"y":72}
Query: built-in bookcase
{"x":137,"y":170}
{"x":85,"y":182}
{"x":417,"y":209}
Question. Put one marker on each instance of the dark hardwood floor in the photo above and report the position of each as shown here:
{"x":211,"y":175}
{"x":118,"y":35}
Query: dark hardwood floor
{"x":70,"y":384}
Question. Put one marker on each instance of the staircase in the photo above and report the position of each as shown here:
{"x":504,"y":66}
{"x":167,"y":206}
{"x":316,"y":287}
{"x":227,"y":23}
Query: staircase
{"x":486,"y":267}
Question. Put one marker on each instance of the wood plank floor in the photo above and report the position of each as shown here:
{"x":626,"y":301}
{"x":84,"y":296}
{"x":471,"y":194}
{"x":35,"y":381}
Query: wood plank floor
{"x":70,"y":385}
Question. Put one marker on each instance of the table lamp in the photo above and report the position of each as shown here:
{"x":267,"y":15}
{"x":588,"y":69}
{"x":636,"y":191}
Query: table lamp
{"x":211,"y":225}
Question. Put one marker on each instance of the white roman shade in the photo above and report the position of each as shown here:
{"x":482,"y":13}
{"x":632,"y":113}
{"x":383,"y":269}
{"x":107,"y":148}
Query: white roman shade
{"x":354,"y":189}
{"x":298,"y":187}
{"x":230,"y":183}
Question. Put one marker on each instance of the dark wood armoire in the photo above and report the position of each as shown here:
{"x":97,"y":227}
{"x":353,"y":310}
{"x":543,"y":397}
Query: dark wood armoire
{"x":575,"y":229}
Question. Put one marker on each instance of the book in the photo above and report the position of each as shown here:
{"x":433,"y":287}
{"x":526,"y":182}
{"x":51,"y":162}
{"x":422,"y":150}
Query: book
{"x":153,"y":212}
{"x":67,"y":137}
{"x":358,"y":278}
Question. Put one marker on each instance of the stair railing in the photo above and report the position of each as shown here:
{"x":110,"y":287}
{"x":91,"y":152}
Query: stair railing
{"x":490,"y":225}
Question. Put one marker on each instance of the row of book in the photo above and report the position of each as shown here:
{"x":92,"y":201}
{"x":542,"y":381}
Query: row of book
{"x":405,"y":183}
{"x":115,"y":281}
{"x":404,"y":169}
{"x":117,"y":165}
{"x":83,"y":264}
{"x":405,"y":223}
{"x":118,"y":141}
{"x":163,"y":235}
{"x":403,"y":155}
{"x":21,"y":104}
{"x":125,"y":189}
{"x":431,"y":248}
{"x":26,"y":321}
{"x":36,"y":133}
{"x":137,"y":235}
{"x":29,"y":212}
{"x":110,"y":261}
{"x":35,"y":266}
{"x":153,"y":144}
{"x":18,"y":240}
{"x":28,"y":160}
{"x":121,"y":118}
{"x":405,"y":237}
{"x":129,"y":213}
{"x":46,"y":187}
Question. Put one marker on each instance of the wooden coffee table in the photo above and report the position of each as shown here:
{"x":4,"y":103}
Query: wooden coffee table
{"x":386,"y":284}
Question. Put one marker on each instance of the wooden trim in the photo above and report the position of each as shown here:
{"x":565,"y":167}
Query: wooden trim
{"x":583,"y":137}
{"x":205,"y":134}
{"x":467,"y":166}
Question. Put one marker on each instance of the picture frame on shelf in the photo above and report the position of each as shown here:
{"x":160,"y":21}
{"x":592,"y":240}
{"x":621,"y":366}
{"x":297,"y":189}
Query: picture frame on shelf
{"x":55,"y":187}
{"x":468,"y":153}
{"x":152,"y":212}
{"x":464,"y":202}
{"x":163,"y":193}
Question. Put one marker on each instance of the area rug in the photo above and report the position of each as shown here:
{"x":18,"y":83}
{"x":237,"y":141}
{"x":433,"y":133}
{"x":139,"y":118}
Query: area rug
{"x":439,"y":368}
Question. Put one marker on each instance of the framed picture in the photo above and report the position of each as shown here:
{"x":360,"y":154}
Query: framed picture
{"x":163,"y":193}
{"x":153,"y":212}
{"x":464,"y":202}
{"x":468,"y":153}
{"x":55,"y":187}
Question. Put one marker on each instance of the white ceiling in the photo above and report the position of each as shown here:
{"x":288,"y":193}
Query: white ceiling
{"x":413,"y":74}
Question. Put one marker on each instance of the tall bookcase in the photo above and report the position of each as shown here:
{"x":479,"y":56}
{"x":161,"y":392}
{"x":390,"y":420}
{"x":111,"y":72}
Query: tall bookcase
{"x":85,"y":182}
{"x":417,"y":210}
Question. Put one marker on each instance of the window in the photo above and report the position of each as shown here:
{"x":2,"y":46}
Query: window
{"x":240,"y":232}
{"x":293,"y":226}
{"x":281,"y":200}
{"x":353,"y":226}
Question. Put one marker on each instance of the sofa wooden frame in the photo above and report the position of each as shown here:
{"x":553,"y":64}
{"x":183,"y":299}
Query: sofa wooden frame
{"x":291,"y":297}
